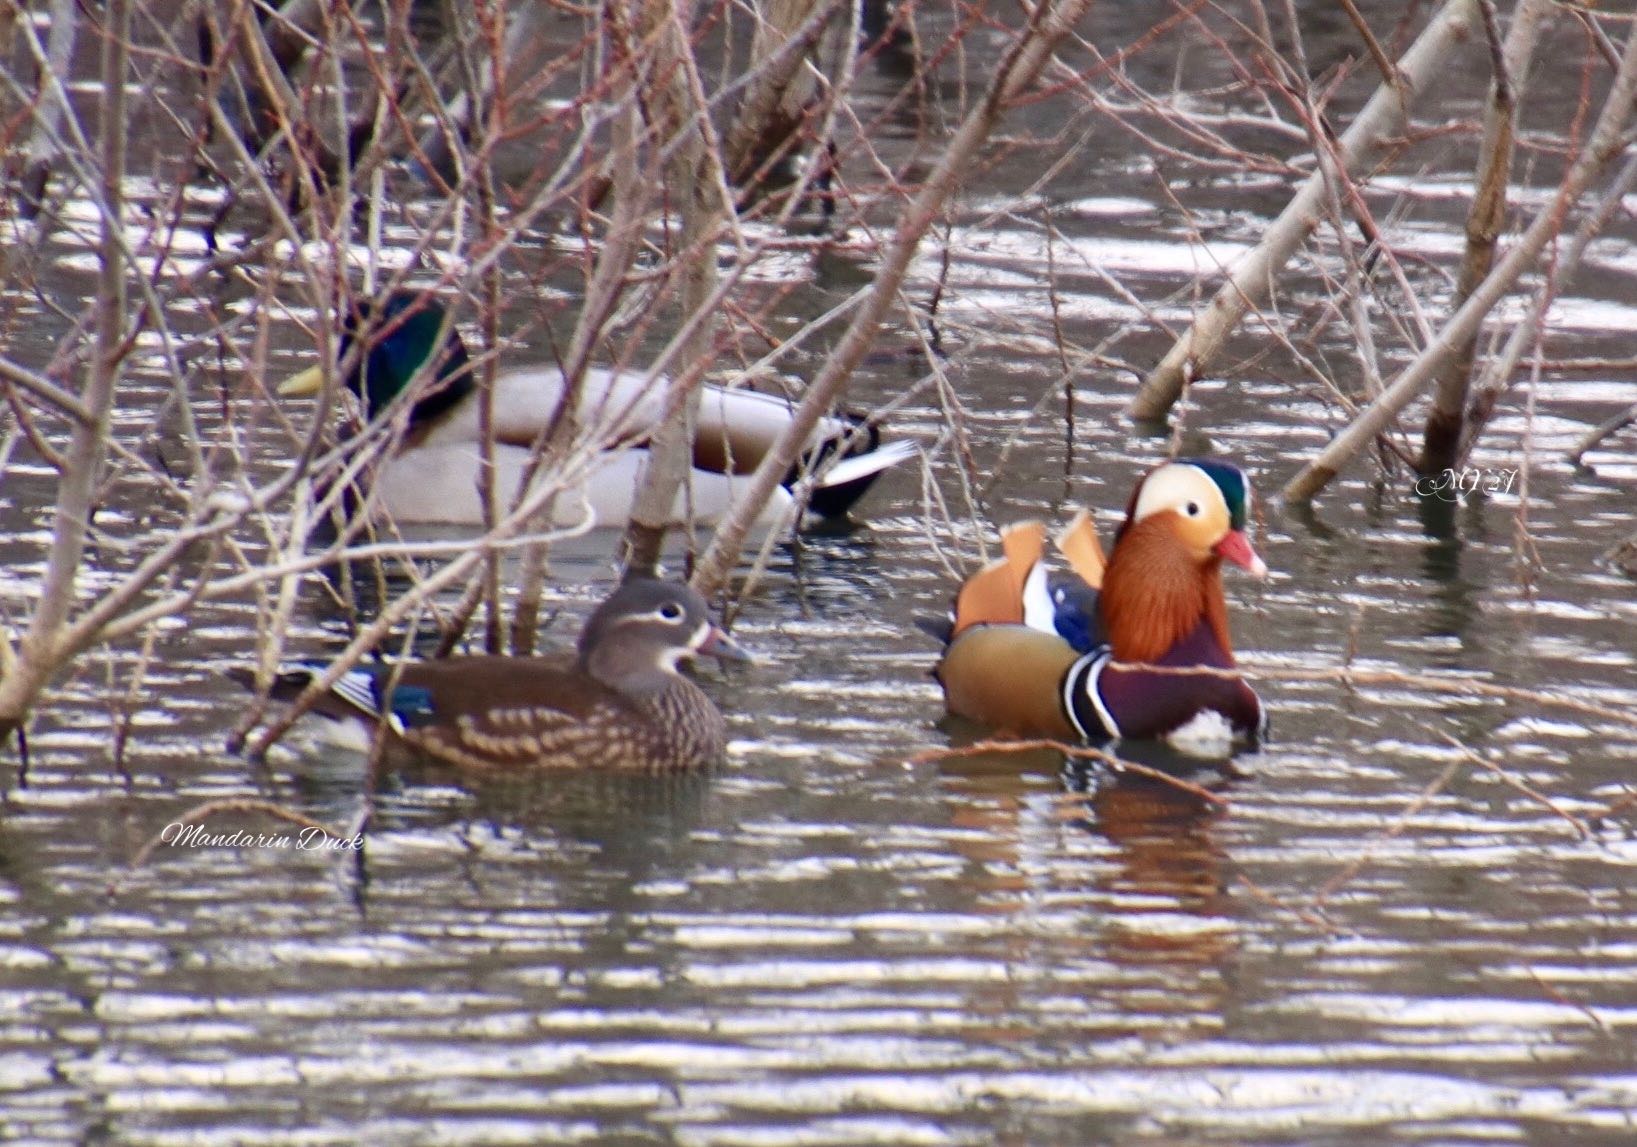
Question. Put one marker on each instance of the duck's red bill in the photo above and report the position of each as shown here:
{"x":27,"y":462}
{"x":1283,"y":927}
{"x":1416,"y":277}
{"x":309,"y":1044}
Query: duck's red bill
{"x":1236,"y":548}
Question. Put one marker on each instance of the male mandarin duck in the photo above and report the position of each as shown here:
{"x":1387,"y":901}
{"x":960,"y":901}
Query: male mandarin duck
{"x":432,"y":477}
{"x":1095,"y":654}
{"x":620,"y":704}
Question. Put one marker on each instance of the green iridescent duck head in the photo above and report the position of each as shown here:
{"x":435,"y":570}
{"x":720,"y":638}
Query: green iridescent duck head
{"x":408,"y":342}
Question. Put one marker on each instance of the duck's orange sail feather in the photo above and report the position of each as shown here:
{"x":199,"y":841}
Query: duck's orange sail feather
{"x":1079,"y":543}
{"x":994,"y":595}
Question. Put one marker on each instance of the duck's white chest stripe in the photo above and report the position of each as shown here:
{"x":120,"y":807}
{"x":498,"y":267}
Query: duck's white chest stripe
{"x":1083,"y":677}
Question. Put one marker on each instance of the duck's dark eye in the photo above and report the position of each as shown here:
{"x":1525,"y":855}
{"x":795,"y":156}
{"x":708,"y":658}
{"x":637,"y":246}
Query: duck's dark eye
{"x":670,"y":611}
{"x":1191,"y":509}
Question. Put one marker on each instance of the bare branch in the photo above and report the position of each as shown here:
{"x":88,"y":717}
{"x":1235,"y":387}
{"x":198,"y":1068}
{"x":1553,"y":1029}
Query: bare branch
{"x":1605,"y":144}
{"x":1019,"y":68}
{"x":1361,"y":145}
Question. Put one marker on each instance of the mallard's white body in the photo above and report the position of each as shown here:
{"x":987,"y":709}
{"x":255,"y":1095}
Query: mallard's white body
{"x":622,"y":407}
{"x":438,"y":484}
{"x":434,"y":479}
{"x":431,"y":476}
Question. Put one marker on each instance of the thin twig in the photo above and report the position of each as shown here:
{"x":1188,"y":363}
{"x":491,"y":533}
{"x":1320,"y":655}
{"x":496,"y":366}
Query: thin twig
{"x":1483,"y":762}
{"x":1384,"y":64}
{"x":1422,"y":799}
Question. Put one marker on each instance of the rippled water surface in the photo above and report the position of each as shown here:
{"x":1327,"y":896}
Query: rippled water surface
{"x":1409,"y":919}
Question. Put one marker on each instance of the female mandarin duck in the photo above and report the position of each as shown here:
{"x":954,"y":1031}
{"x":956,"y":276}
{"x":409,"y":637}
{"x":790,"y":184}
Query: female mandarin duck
{"x":1097,"y":655}
{"x":620,"y":704}
{"x":411,"y":347}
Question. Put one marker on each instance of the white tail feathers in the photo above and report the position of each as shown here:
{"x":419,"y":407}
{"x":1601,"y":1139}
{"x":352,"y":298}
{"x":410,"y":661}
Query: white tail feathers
{"x":863,"y":465}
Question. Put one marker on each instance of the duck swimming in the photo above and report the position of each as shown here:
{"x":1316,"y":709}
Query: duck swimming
{"x":412,"y":352}
{"x":1105,"y":652}
{"x":619,"y":704}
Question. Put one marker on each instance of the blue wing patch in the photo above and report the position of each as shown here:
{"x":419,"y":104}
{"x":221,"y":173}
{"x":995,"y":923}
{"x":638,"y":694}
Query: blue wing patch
{"x":1074,"y":613}
{"x":362,"y":688}
{"x":412,"y":704}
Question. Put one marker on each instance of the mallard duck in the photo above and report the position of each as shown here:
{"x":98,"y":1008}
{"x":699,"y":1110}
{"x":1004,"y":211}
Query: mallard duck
{"x":432,"y":476}
{"x":1104,"y":652}
{"x":619,"y":704}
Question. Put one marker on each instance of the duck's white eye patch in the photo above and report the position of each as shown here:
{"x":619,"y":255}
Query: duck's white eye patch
{"x":1180,"y":488}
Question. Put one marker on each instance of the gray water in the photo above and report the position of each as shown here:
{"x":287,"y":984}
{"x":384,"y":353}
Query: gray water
{"x":1373,"y":937}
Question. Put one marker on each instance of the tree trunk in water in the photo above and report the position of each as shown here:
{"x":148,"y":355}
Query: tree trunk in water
{"x":44,"y":647}
{"x":1606,"y":143}
{"x":1497,"y":376}
{"x":1018,"y":69}
{"x":782,"y":87}
{"x":53,"y":80}
{"x":1251,"y":281}
{"x":1442,"y":438}
{"x":695,"y":183}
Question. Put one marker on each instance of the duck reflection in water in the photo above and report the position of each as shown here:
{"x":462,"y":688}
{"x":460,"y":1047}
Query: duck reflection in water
{"x":1137,"y":858}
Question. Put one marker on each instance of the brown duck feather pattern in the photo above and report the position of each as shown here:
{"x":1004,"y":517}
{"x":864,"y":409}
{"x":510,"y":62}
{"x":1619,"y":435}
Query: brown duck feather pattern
{"x":544,"y":716}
